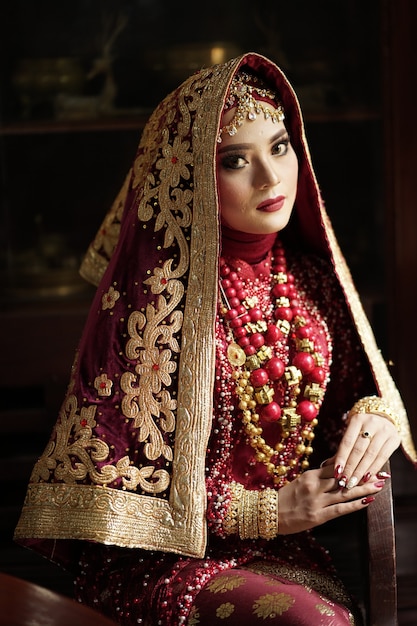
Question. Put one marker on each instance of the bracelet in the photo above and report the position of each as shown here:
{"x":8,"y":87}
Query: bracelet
{"x":376,"y":405}
{"x":230,"y":522}
{"x":251,"y":513}
{"x":268,"y":514}
{"x":248,"y":514}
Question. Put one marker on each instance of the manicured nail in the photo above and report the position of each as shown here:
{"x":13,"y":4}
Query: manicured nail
{"x":343,"y":481}
{"x":338,"y":472}
{"x":384,"y":475}
{"x":366,"y":477}
{"x":368,"y":500}
{"x":352,"y":482}
{"x":379,"y":484}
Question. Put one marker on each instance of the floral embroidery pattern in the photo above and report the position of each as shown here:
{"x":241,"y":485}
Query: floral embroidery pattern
{"x":109,"y":299}
{"x":272,"y":604}
{"x":225,"y":610}
{"x":225,"y":583}
{"x":75,"y":453}
{"x":145,"y":399}
{"x":175,"y":159}
{"x":103,"y":385}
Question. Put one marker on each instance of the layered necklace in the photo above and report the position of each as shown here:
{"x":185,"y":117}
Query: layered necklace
{"x":271,"y":386}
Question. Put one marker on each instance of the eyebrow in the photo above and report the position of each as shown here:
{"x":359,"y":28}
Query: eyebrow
{"x":246,"y":146}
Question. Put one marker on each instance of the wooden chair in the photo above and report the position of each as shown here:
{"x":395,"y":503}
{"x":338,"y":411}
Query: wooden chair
{"x":24,"y":604}
{"x":362,"y":546}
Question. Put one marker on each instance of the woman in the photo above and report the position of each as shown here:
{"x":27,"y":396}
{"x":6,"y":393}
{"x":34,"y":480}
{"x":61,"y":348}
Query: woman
{"x":227,"y":395}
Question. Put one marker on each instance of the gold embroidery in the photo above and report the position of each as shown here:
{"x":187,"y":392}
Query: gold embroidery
{"x":221,"y":584}
{"x":71,"y":462}
{"x":144,"y":398}
{"x":103,"y":385}
{"x":194,"y":617}
{"x":327,"y":586}
{"x":272,"y":604}
{"x":110,"y":298}
{"x":325,"y":609}
{"x":225,"y":610}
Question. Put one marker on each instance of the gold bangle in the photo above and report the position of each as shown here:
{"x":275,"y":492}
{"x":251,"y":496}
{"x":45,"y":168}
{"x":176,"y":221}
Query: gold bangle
{"x":248,"y":514}
{"x":268,"y":514}
{"x":230,"y":522}
{"x":377,"y":406}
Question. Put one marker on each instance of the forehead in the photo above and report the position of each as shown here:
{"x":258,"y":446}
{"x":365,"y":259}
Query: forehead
{"x":251,"y":131}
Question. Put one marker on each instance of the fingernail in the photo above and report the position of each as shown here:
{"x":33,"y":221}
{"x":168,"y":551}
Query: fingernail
{"x":343,"y":481}
{"x":368,"y":500}
{"x":338,"y":471}
{"x":384,"y":475}
{"x":379,"y":484}
{"x":352,"y":483}
{"x":366,"y":477}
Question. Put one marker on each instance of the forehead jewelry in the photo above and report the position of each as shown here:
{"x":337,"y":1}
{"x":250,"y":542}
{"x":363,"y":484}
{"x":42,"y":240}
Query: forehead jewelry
{"x":244,"y":95}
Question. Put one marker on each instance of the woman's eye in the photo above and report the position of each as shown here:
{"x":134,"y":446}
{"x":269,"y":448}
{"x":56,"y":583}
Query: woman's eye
{"x":233,"y":161}
{"x":281,"y":147}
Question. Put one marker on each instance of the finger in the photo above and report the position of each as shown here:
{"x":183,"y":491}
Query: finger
{"x":380,"y":448}
{"x":344,"y":496}
{"x":346,"y":446}
{"x":361,"y":449}
{"x":357,"y":469}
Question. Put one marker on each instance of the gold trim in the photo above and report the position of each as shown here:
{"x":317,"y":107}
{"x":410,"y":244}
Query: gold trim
{"x":108,"y":516}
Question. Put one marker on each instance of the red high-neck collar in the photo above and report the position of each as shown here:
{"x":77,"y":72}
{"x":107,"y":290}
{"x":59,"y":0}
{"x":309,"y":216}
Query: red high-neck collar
{"x":245,"y":246}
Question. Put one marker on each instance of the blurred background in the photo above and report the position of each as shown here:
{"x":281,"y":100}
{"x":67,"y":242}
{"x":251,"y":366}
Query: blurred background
{"x":78,"y":80}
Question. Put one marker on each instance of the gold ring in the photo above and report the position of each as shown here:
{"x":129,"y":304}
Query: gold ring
{"x":366,"y":435}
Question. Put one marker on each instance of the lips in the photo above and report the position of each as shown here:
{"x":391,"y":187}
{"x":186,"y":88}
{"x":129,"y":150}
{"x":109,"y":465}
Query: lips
{"x":271,"y":205}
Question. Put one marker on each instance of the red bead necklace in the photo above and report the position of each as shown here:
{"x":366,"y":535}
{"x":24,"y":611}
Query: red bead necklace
{"x":263,"y":372}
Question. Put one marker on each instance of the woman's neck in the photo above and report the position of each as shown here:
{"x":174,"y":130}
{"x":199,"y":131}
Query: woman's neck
{"x":248,"y":247}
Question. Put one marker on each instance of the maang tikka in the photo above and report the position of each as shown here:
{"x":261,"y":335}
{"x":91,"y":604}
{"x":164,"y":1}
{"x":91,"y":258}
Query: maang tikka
{"x":248,"y":95}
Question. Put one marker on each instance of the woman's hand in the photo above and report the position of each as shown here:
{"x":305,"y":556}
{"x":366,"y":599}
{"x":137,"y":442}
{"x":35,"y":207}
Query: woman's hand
{"x":315,"y":497}
{"x":367,"y":444}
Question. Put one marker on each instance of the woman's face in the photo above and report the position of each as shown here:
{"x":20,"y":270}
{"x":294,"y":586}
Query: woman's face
{"x":257,"y":172}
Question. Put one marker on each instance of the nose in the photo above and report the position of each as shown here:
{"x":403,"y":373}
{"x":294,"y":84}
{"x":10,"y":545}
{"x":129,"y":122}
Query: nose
{"x":268,"y":173}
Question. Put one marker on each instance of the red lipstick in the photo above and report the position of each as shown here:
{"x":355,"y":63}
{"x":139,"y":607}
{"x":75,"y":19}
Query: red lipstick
{"x":271,"y":205}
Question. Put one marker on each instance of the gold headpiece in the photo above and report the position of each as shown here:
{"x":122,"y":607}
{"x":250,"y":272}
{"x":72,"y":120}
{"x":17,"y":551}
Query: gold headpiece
{"x":247,"y":93}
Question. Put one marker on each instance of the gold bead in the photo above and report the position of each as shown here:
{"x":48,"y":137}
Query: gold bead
{"x":305,"y":464}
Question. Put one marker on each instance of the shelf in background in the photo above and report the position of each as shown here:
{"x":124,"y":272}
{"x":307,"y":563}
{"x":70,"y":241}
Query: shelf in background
{"x":137,"y":122}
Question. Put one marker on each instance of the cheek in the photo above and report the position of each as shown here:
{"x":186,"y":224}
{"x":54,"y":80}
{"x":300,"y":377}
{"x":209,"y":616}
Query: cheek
{"x":229,"y":195}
